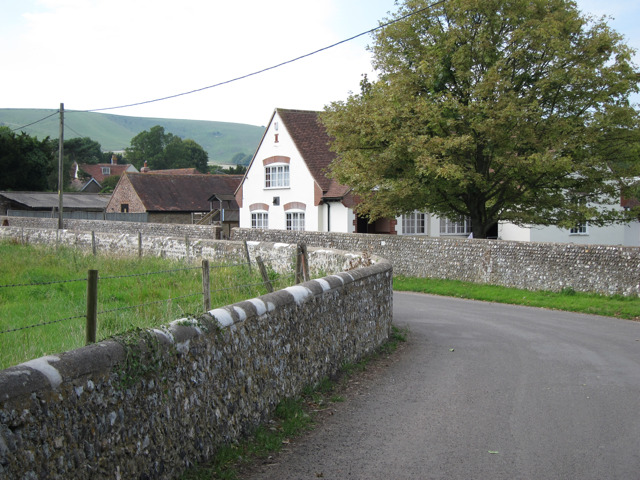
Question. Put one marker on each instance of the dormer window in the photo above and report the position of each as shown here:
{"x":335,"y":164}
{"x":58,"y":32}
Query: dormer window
{"x":276,"y":176}
{"x":106,"y":170}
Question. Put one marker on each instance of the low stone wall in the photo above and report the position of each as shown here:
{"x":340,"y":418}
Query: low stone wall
{"x":279,"y":256}
{"x":147,"y":229}
{"x":533,"y":266}
{"x":151,"y":404}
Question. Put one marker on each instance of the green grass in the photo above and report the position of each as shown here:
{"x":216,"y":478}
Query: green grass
{"x":568,"y":299}
{"x":123,"y":282}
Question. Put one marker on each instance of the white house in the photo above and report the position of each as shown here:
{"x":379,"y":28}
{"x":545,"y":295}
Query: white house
{"x":286,"y":188}
{"x":627,"y":235}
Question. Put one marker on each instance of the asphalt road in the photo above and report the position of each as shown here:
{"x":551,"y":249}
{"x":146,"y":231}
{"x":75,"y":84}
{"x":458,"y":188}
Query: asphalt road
{"x":486,"y":391}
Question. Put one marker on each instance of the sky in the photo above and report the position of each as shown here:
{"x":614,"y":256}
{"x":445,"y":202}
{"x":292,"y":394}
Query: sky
{"x":98,"y":54}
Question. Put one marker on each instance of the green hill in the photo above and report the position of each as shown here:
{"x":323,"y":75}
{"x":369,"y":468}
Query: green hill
{"x":221,"y":140}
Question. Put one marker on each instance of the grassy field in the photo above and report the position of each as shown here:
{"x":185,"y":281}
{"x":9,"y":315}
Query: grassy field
{"x":568,"y":299}
{"x":132,"y":293}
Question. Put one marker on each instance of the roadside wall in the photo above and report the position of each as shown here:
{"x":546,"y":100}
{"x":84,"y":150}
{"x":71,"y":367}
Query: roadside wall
{"x":151,"y":404}
{"x":151,"y":229}
{"x":602,"y":269}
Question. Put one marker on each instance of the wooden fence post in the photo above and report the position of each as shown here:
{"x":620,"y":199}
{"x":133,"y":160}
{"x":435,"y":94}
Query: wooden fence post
{"x":206,"y":285}
{"x":265,"y":275}
{"x":139,"y":244}
{"x":305,"y":263}
{"x":246,"y":251}
{"x":302,"y":264}
{"x":92,"y":307}
{"x":93,"y":243}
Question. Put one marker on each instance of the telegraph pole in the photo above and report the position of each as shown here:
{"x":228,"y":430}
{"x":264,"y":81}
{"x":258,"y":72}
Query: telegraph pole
{"x":61,"y":168}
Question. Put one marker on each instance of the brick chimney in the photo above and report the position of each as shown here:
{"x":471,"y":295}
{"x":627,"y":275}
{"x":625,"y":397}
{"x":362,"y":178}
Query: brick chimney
{"x":114,"y":159}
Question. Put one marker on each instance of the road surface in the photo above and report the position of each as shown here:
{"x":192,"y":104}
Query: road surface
{"x":485,"y":391}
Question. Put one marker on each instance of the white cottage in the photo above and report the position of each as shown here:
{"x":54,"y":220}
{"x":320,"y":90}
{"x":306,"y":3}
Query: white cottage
{"x":286,"y":186}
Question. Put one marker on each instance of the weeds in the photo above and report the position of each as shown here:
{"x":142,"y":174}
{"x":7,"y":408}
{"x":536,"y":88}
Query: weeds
{"x":292,"y":418}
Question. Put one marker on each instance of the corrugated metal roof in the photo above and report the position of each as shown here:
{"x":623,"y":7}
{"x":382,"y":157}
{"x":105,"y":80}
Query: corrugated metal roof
{"x":47,"y":200}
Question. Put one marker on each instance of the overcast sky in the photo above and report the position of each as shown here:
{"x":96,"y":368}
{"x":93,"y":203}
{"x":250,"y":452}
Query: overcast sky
{"x":93,"y":54}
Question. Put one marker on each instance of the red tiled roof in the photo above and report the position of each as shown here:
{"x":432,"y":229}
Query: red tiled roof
{"x":181,"y":193}
{"x":95,"y":171}
{"x":177,"y":171}
{"x":312,"y":140}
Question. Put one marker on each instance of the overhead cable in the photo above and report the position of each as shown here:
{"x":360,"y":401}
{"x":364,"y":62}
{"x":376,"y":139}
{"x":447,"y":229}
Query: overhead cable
{"x":269,"y":68}
{"x":37,"y":121}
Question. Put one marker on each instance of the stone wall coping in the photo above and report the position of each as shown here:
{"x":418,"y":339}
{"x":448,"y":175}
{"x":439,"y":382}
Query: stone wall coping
{"x":48,"y":373}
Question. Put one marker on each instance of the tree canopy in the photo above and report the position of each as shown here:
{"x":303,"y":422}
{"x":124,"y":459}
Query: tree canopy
{"x":164,"y":151}
{"x":83,"y":150}
{"x":513,"y":110}
{"x":27,"y":163}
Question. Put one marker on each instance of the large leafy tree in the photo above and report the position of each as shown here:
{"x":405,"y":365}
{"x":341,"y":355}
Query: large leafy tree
{"x":163,"y":151}
{"x":27,"y":163}
{"x":83,"y":150}
{"x":512,"y":110}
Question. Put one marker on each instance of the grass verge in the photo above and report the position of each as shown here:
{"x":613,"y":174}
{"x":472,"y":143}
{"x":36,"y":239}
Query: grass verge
{"x":568,"y":299}
{"x":293,"y":417}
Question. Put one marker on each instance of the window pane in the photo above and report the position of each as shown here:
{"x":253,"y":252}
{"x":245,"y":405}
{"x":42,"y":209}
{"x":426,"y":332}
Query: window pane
{"x":260,"y":220}
{"x":276,"y":176}
{"x":295,"y":221}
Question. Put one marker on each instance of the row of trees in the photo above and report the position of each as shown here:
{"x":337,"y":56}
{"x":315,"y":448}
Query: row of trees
{"x":513,"y":110}
{"x":27,"y":163}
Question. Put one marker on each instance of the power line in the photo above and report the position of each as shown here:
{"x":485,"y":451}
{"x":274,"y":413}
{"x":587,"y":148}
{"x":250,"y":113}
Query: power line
{"x":37,"y":121}
{"x":272,"y":67}
{"x":66,"y":125}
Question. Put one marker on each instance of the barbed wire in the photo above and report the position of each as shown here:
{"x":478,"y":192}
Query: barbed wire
{"x":222,"y":265}
{"x":37,"y":284}
{"x":130,"y":307}
{"x":41,"y":324}
{"x":149,"y":273}
{"x":233,"y":287}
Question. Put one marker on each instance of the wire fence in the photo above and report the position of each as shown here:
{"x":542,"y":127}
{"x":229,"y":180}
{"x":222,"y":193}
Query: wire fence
{"x":288,"y":279}
{"x":162,"y":295}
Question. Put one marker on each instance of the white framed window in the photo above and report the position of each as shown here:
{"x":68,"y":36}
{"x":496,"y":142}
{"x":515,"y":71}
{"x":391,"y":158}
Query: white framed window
{"x":579,"y":229}
{"x":413,"y":223}
{"x":260,"y":220}
{"x":461,"y":226}
{"x":106,"y":170}
{"x":295,"y":220}
{"x":276,"y":176}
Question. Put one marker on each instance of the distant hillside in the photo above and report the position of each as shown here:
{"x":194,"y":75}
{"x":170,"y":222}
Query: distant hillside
{"x":221,"y":140}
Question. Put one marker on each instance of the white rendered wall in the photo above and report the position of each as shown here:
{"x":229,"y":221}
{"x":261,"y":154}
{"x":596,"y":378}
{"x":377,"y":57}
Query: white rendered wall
{"x":341,"y":218}
{"x":626,"y":235}
{"x":301,"y":183}
{"x":509,"y":231}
